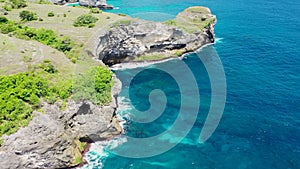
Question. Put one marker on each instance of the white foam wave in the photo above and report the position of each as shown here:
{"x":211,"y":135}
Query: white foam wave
{"x":99,"y":150}
{"x":219,"y":40}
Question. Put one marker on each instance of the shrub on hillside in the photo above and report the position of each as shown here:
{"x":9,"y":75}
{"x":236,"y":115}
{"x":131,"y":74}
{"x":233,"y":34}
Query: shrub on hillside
{"x":19,"y":3}
{"x":28,"y":15}
{"x":21,"y":93}
{"x":48,"y":67}
{"x":7,"y":27}
{"x":3,"y":19}
{"x":50,"y":14}
{"x":85,"y":20}
{"x":47,"y":37}
{"x":7,"y":7}
{"x":95,"y":10}
{"x":16,"y":4}
{"x":94,"y":85}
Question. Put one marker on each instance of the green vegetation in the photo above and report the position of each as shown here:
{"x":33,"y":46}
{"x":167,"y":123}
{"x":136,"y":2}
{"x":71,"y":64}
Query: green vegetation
{"x":180,"y":52}
{"x":7,"y":27}
{"x":14,"y":4}
{"x":85,"y":20}
{"x":170,"y":22}
{"x":47,"y":37}
{"x":7,"y":7}
{"x":78,"y":159}
{"x":47,"y":66}
{"x":198,"y":9}
{"x":3,"y":19}
{"x":44,"y":2}
{"x":64,"y":25}
{"x":151,"y":57}
{"x":94,"y":85}
{"x":207,"y":24}
{"x":28,"y":15}
{"x":122,"y":22}
{"x":95,"y":10}
{"x":193,"y":19}
{"x":80,"y":147}
{"x":21,"y":93}
{"x":51,"y":14}
{"x":121,"y":14}
{"x":91,"y":25}
{"x":18,"y":3}
{"x":46,"y":81}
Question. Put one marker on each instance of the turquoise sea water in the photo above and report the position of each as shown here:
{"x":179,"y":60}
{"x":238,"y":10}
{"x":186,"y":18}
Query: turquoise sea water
{"x":259,"y":47}
{"x":73,"y":4}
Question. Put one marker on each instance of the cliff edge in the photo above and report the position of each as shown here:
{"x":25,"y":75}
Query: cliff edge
{"x":53,"y":139}
{"x":134,"y":40}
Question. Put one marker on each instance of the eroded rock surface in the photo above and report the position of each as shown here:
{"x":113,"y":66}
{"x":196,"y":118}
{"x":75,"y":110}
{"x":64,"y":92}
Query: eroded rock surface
{"x":129,"y":39}
{"x":49,"y":141}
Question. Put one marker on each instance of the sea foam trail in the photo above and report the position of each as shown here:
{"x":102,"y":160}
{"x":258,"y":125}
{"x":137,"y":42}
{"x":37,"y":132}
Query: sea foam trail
{"x":218,"y":40}
{"x":99,"y":152}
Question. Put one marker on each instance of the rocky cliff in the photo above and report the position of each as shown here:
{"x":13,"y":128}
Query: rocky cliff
{"x":127,"y":40}
{"x":52,"y":139}
{"x":95,"y":3}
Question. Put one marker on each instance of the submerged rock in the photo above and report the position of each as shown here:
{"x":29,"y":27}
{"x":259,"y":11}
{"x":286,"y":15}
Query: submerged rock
{"x":126,"y":40}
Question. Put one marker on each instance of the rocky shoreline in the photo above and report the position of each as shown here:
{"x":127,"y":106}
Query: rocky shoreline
{"x":137,"y":64}
{"x":53,"y":138}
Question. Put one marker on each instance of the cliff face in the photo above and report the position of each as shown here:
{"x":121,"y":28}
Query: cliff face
{"x":128,"y":40}
{"x":51,"y":138}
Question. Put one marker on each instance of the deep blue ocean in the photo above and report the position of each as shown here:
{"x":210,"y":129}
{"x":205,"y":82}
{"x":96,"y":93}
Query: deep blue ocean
{"x":258,"y":45}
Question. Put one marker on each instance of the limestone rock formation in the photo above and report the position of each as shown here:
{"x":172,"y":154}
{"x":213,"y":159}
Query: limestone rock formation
{"x":49,"y":141}
{"x":102,"y":4}
{"x":128,"y":39}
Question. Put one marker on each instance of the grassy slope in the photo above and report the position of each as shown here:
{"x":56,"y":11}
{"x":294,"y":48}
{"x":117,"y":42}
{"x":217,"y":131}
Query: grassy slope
{"x":12,"y":59}
{"x":193,"y":19}
{"x":64,"y":25}
{"x":17,"y":55}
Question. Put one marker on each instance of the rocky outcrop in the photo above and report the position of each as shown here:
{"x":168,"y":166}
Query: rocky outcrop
{"x":95,"y":3}
{"x":88,"y":3}
{"x":128,"y":39}
{"x":49,"y":141}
